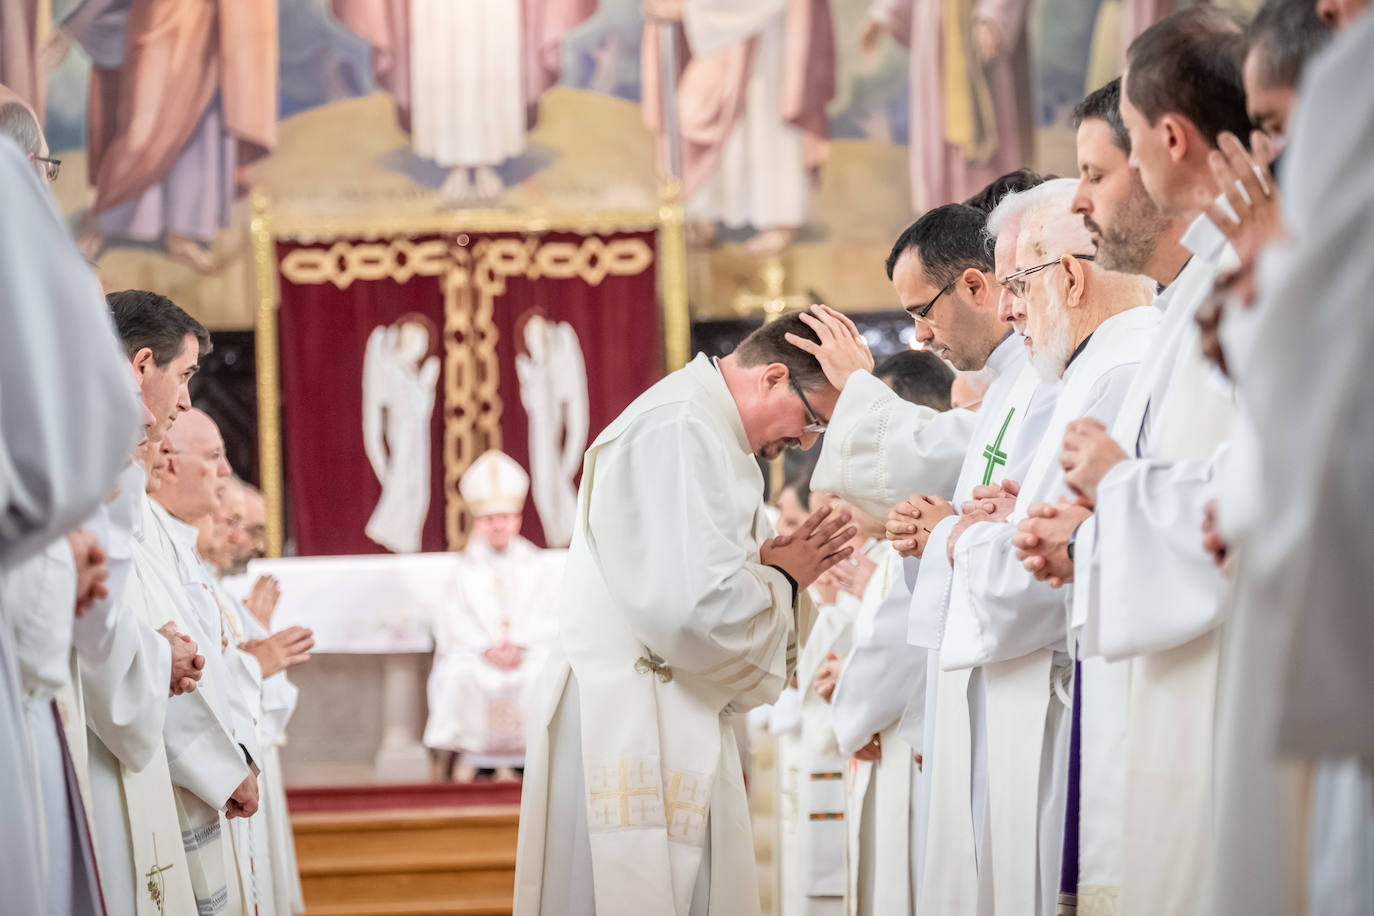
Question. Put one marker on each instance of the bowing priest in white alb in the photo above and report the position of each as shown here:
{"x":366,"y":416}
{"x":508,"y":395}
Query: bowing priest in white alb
{"x":1087,"y":327}
{"x":680,"y":611}
{"x":1144,"y":588}
{"x":493,"y":637}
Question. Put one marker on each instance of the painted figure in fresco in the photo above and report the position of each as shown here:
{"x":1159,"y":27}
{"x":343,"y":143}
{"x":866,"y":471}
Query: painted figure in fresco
{"x":466,"y":75}
{"x":553,"y":388}
{"x":970,"y":91}
{"x":183,"y":100}
{"x":398,"y":401}
{"x":20,"y":69}
{"x":751,"y":97}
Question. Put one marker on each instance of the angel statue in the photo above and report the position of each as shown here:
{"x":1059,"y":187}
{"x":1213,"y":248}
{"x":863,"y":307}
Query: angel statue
{"x":553,"y":388}
{"x":398,"y":401}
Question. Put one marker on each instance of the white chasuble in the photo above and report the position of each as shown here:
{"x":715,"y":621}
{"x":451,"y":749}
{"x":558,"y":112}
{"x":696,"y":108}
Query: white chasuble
{"x":670,"y":624}
{"x":511,"y":596}
{"x":1014,"y":626}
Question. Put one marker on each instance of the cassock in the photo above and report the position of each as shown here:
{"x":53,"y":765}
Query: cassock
{"x":475,"y":707}
{"x":751,"y":106}
{"x":1297,"y":679}
{"x":970,"y":122}
{"x":873,"y":686}
{"x":633,"y":798}
{"x":1002,"y":619}
{"x":63,"y":437}
{"x":1146,"y":591}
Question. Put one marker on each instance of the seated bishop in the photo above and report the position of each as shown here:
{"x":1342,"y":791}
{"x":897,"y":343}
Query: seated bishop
{"x":495,"y":634}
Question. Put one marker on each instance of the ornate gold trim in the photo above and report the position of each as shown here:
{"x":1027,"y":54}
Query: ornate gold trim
{"x":310,"y":228}
{"x":268,"y":376}
{"x":672,"y":265}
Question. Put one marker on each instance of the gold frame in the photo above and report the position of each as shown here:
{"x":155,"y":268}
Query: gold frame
{"x":267,"y":226}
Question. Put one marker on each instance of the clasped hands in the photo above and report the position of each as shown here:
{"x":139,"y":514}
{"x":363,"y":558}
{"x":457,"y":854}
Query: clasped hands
{"x":820,"y":543}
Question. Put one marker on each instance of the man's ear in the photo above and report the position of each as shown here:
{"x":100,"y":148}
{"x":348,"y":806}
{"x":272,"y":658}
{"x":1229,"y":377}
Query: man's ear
{"x":773,"y":375}
{"x":143,"y":363}
{"x":1175,"y":136}
{"x":977,"y":285}
{"x":1072,"y":280}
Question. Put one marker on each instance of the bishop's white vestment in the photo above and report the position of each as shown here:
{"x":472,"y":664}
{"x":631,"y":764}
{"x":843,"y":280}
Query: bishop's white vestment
{"x":633,"y":799}
{"x":510,"y":596}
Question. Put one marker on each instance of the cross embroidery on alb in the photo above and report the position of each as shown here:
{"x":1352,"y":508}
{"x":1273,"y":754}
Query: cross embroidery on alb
{"x":995,"y":453}
{"x":633,"y":800}
{"x":685,"y":806}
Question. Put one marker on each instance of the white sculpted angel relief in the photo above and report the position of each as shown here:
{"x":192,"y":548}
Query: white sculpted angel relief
{"x":398,"y":401}
{"x":553,"y":388}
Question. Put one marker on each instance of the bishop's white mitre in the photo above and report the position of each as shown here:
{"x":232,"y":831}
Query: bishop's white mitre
{"x":494,"y":483}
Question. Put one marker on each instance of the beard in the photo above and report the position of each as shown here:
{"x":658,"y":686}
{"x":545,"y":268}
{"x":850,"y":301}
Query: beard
{"x":1129,"y":243}
{"x":770,"y":450}
{"x":1050,"y":356}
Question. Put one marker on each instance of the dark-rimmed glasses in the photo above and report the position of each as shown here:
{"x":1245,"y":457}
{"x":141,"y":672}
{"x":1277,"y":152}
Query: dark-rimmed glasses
{"x":51,"y":166}
{"x":816,"y":424}
{"x":924,"y":310}
{"x":1015,"y":282}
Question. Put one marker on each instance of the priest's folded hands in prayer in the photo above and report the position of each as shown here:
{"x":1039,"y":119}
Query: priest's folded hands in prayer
{"x":282,"y":650}
{"x":1042,"y":540}
{"x":1089,"y":453}
{"x":262,"y":600}
{"x":852,"y":575}
{"x":187,"y":663}
{"x":817,"y":545}
{"x":910,"y":522}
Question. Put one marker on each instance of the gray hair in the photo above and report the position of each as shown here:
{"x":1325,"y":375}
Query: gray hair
{"x":1016,"y":206}
{"x":19,"y":124}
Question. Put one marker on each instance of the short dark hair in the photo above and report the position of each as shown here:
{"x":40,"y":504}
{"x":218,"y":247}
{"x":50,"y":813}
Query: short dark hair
{"x":1189,"y":64}
{"x":949,"y":240}
{"x":1287,"y":33}
{"x":148,"y":319}
{"x":769,"y":344}
{"x":1104,"y":104}
{"x":1010,"y":183}
{"x":918,"y":376}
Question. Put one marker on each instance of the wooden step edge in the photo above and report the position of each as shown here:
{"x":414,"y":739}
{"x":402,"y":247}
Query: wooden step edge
{"x":335,"y":865}
{"x":405,"y":819}
{"x":482,"y":906}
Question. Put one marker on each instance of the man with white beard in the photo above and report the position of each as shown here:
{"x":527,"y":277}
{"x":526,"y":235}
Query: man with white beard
{"x":1088,"y":327}
{"x":64,"y":434}
{"x":878,"y":443}
{"x":682,"y":612}
{"x":1144,"y":587}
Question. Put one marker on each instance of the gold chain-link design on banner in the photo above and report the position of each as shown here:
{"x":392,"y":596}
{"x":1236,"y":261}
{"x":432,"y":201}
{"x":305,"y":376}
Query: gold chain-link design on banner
{"x":344,"y":262}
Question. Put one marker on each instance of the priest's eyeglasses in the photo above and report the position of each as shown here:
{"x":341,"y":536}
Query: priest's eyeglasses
{"x":1015,"y":283}
{"x":924,"y":310}
{"x":817,"y":425}
{"x":51,"y":166}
